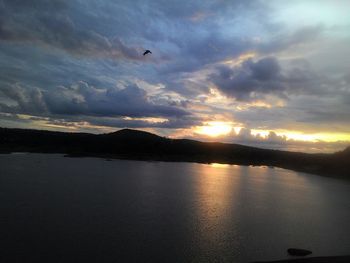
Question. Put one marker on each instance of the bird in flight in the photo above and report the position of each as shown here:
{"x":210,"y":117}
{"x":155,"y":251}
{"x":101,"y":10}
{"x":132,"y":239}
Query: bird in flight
{"x":147,"y":52}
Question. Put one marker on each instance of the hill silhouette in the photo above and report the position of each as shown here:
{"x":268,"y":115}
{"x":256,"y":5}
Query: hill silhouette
{"x":140,"y":145}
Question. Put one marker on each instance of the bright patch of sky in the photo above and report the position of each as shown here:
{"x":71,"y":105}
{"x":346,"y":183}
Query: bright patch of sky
{"x":299,"y":13}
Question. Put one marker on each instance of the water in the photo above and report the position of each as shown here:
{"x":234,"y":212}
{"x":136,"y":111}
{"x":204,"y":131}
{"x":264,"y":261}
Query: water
{"x":57,"y":209}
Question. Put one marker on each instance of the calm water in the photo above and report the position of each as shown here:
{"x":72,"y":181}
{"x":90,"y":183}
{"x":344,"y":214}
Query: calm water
{"x":58,"y":209}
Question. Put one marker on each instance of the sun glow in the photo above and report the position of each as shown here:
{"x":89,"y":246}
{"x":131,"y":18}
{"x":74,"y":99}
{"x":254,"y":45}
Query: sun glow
{"x":214,"y":129}
{"x":307,"y":137}
{"x":326,"y":137}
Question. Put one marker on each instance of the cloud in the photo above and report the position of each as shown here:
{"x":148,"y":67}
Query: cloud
{"x":51,"y":24}
{"x":169,"y":123}
{"x":280,"y":142}
{"x":82,"y":99}
{"x":22,"y":100}
{"x":286,"y":40}
{"x":246,"y":135}
{"x":250,"y":79}
{"x":254,"y":80}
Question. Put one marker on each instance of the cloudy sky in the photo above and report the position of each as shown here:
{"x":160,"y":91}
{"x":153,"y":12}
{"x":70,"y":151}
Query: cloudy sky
{"x":271,"y":73}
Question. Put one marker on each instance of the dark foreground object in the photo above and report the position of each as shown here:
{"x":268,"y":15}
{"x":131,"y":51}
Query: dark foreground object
{"x":298,"y":252}
{"x":339,"y":259}
{"x":139,"y":145}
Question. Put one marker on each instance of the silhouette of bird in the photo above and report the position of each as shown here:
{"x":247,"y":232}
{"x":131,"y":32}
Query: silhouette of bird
{"x":147,"y":52}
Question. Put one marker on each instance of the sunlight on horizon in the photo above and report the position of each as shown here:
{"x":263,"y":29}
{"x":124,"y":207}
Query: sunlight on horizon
{"x":307,"y":137}
{"x":214,"y":129}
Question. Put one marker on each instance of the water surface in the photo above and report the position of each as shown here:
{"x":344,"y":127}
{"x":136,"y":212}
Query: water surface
{"x":59,"y":209}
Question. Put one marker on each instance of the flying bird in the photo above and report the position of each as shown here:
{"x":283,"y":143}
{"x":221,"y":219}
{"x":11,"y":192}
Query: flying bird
{"x":146,"y":52}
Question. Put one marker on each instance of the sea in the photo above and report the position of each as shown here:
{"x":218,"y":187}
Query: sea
{"x":60,"y":209}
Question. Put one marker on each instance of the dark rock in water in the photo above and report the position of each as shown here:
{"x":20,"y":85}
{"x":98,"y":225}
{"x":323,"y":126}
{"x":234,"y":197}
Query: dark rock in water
{"x":298,"y":252}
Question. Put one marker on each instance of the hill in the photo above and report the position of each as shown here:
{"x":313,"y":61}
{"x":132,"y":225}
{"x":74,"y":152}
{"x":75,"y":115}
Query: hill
{"x":140,"y":145}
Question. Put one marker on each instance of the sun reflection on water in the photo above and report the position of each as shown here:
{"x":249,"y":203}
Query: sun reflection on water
{"x":214,"y":203}
{"x":219,"y":165}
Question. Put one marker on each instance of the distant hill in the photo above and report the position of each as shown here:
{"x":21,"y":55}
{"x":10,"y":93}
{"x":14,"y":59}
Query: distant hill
{"x":140,"y":145}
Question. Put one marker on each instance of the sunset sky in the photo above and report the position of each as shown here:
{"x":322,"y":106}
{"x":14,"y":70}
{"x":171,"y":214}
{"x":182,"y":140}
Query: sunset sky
{"x":272,"y":74}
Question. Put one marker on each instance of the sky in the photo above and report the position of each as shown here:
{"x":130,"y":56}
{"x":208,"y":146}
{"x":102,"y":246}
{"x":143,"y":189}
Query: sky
{"x":272,"y":74}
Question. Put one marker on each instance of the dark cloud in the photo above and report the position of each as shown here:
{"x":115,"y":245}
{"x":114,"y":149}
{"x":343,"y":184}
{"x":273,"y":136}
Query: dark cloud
{"x":47,"y":69}
{"x":265,"y":69}
{"x":251,"y":78}
{"x":82,"y":99}
{"x":22,"y":100}
{"x":119,"y":29}
{"x":326,"y":116}
{"x":52,"y":24}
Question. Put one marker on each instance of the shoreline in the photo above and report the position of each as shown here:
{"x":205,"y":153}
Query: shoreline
{"x":331,"y":259}
{"x":108,"y":157}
